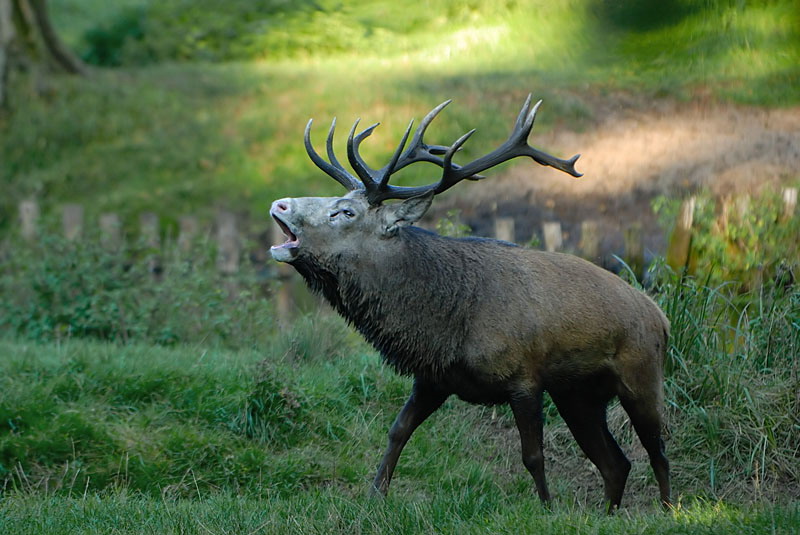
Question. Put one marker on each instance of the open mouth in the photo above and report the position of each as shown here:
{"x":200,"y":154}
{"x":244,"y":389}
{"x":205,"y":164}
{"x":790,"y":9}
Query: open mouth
{"x":292,"y":240}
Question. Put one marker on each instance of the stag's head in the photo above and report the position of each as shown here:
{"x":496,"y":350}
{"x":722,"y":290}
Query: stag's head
{"x":362,"y":220}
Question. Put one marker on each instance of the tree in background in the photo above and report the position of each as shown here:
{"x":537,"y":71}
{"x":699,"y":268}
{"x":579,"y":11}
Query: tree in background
{"x":29,"y":41}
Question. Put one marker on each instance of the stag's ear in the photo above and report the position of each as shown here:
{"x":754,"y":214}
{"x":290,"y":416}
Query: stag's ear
{"x":408,"y":212}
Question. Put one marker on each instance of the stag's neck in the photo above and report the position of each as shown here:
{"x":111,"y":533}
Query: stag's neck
{"x":404,"y":302}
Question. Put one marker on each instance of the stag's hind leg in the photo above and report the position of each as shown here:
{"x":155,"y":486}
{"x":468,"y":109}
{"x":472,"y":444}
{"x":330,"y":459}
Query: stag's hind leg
{"x":647,"y":422}
{"x":585,"y":416}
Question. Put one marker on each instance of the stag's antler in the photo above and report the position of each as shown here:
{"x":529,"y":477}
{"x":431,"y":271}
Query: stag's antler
{"x":375,"y":183}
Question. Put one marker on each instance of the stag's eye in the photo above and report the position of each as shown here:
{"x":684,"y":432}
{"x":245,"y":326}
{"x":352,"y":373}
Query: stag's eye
{"x":348,"y":213}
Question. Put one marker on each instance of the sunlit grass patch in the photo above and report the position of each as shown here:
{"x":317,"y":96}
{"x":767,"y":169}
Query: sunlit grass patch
{"x":330,"y":511}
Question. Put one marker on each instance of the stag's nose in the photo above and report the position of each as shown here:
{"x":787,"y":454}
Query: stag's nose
{"x":281,"y":206}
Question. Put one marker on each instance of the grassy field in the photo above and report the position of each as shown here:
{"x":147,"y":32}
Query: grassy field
{"x":285,"y":435}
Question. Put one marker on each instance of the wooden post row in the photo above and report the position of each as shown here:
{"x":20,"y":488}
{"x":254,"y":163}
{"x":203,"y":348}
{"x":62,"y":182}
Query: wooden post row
{"x":789,"y":203}
{"x":187,"y":231}
{"x":150,"y":236}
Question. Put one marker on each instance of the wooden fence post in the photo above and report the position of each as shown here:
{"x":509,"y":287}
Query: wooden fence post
{"x":634,"y":249}
{"x":504,"y":228}
{"x":789,"y":203}
{"x":72,"y":221}
{"x":228,"y":247}
{"x":742,"y":205}
{"x":110,"y":231}
{"x":149,"y":233}
{"x":680,"y":241}
{"x":187,"y":232}
{"x":551,"y":230}
{"x":29,"y":219}
{"x":590,"y":240}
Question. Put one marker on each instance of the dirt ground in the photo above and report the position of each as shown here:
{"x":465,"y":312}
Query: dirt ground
{"x":633,"y":152}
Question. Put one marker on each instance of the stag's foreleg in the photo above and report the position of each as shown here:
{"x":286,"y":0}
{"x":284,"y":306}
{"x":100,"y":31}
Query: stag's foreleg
{"x":423,"y":402}
{"x":527,"y":409}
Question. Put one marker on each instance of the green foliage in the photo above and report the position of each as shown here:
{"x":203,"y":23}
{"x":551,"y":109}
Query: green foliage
{"x":451,"y":225}
{"x":105,"y":44}
{"x":272,"y":413}
{"x":79,"y":416}
{"x":746,"y":239}
{"x":752,"y":240}
{"x":57,"y":289}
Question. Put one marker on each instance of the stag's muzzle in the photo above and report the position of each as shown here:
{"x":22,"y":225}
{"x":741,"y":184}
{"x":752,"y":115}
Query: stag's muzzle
{"x":281,"y":212}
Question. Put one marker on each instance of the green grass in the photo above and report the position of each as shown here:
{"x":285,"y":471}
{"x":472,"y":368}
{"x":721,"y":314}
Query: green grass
{"x":310,"y":408}
{"x":328,"y":511}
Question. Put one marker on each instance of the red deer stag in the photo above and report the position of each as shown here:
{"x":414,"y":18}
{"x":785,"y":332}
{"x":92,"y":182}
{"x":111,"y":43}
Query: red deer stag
{"x":482,"y":319}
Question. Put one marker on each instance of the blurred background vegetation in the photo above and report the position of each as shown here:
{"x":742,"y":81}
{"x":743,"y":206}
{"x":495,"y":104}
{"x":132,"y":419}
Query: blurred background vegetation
{"x":205,"y":101}
{"x":191,"y":386}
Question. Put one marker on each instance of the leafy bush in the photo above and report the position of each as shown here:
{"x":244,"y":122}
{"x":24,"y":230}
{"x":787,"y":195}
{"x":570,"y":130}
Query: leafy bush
{"x":105,"y":44}
{"x":743,"y":239}
{"x":57,"y":289}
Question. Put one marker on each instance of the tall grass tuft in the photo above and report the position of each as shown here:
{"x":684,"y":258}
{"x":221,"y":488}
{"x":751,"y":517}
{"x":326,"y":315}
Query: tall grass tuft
{"x":732,"y":385}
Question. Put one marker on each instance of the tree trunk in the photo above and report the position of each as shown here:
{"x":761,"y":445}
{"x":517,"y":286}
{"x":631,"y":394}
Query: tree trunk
{"x":6,"y":35}
{"x":53,"y":44}
{"x":29,"y":41}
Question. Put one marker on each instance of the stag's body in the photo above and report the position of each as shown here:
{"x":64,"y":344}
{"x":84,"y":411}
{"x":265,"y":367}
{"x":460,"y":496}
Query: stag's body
{"x":564,"y":319}
{"x":489,"y":322}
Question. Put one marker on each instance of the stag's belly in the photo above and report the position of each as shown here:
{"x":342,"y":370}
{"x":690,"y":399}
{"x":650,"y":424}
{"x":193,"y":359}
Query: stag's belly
{"x":472,"y":387}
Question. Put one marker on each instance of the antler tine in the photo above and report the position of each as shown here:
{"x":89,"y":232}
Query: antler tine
{"x":329,"y":145}
{"x":523,"y":113}
{"x":449,"y":170}
{"x":334,"y":169}
{"x":526,"y":127}
{"x":367,"y":175}
{"x":390,"y":168}
{"x":418,"y":150}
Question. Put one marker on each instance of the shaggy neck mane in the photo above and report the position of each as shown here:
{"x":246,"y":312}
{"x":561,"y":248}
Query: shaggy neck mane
{"x":386,"y":298}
